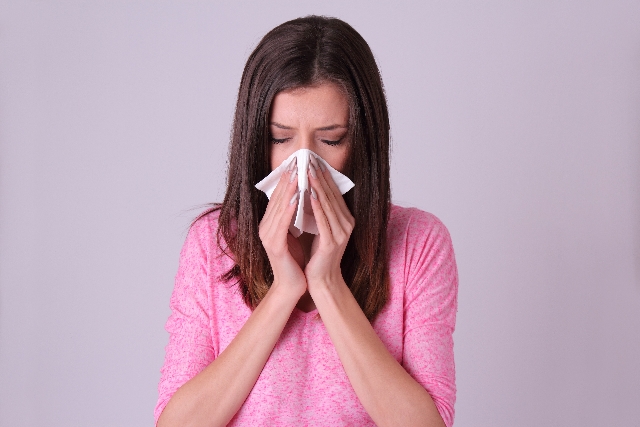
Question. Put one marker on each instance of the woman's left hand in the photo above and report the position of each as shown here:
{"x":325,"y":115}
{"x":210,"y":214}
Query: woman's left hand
{"x":335,"y":224}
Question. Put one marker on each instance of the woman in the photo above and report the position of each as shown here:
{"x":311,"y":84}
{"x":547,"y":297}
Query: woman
{"x":352,"y":326}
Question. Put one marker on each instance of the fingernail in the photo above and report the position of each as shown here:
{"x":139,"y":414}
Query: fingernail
{"x":313,"y":194}
{"x":314,"y":161}
{"x":312,"y":170}
{"x":294,"y":198}
{"x":293,"y":162}
{"x":294,"y":172}
{"x":322,"y":167}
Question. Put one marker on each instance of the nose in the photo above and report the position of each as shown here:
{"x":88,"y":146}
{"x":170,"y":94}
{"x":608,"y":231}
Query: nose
{"x":305,"y":140}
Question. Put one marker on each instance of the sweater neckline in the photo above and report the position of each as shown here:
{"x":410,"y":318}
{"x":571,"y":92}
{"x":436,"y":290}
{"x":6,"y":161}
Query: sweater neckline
{"x":305,"y":315}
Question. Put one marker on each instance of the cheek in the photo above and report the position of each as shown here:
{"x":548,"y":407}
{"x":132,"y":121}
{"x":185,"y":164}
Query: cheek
{"x":276,"y":156}
{"x":339,"y":160}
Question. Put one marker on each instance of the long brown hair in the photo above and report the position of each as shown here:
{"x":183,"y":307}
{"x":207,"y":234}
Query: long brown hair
{"x":304,"y":52}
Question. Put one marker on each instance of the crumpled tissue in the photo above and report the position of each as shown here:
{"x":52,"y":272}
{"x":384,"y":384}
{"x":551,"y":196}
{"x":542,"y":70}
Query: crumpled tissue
{"x":303,"y":220}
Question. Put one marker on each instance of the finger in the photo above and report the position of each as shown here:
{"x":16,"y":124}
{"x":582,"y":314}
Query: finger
{"x":326,"y":174}
{"x":273,"y":232}
{"x":285,"y":189}
{"x":271,"y":205}
{"x":284,"y":179}
{"x":288,"y":209}
{"x":320,"y":193}
{"x":336,"y":202}
{"x":333,"y":192}
{"x":285,"y":199}
{"x":324,"y":229}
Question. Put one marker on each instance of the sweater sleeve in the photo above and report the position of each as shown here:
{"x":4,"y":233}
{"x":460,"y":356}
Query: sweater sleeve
{"x":190,"y":347}
{"x":431,"y":300}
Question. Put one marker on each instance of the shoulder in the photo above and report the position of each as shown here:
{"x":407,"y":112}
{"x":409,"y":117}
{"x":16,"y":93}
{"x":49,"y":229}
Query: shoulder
{"x":206,"y":222}
{"x":419,"y":245}
{"x":422,"y":257}
{"x":205,"y":226}
{"x":202,"y":261}
{"x":202,"y":235}
{"x":411,"y":226}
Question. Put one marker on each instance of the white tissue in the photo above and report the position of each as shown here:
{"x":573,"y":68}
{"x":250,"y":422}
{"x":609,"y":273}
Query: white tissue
{"x":303,"y":220}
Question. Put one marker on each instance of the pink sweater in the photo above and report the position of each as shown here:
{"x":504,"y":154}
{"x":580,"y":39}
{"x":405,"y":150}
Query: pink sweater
{"x":303,"y":382}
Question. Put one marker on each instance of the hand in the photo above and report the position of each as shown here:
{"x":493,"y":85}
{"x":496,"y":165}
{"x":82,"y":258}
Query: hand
{"x":335,"y":224}
{"x":275,"y":237}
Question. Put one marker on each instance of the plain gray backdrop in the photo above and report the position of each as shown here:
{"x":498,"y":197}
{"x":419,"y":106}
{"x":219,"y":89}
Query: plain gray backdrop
{"x":517,"y":123}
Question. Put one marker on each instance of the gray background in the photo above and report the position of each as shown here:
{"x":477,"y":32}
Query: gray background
{"x":517,"y":123}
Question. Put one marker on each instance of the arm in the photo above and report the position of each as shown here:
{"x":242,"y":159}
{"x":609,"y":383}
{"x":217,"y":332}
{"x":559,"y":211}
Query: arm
{"x":389,"y":394}
{"x":227,"y":381}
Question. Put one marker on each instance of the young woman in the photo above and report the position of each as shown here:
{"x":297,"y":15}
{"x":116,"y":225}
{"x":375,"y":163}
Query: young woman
{"x":352,"y":326}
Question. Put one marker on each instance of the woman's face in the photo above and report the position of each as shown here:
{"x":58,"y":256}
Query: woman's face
{"x":315,"y":118}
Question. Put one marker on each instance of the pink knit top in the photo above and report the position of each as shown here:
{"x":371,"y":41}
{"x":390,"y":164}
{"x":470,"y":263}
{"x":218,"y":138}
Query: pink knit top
{"x":303,"y":382}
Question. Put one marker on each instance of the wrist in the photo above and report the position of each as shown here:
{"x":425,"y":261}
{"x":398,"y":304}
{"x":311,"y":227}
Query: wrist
{"x":287,"y":292}
{"x":331,"y":284}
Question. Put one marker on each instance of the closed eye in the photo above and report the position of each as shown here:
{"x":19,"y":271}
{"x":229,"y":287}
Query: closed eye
{"x":279,"y":141}
{"x":332,"y":143}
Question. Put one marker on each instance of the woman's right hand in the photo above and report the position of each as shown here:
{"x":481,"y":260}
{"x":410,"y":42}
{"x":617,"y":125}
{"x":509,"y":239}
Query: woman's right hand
{"x":274,"y":234}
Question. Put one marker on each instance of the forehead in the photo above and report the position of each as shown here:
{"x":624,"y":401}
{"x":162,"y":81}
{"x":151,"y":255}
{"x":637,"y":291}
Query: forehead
{"x":322,"y":104}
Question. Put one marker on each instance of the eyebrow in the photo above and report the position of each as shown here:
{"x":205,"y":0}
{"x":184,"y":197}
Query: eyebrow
{"x":331,"y":127}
